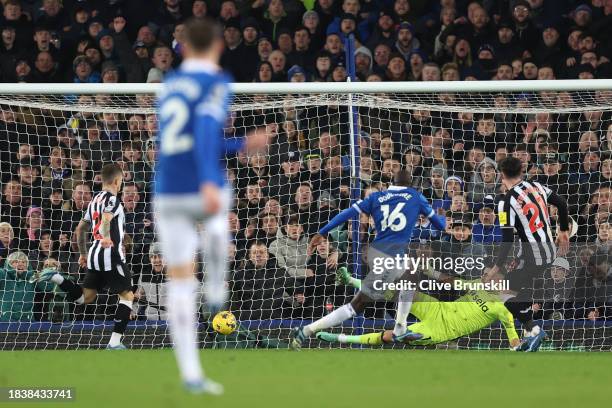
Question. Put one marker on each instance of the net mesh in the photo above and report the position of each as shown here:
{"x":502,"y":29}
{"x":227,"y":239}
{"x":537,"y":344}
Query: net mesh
{"x":52,"y":147}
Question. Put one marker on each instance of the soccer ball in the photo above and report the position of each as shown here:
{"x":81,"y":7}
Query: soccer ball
{"x":224,"y":323}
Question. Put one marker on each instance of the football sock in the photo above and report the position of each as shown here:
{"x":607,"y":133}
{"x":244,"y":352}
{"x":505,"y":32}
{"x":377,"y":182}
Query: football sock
{"x":214,"y":236}
{"x":122,"y":317}
{"x":74,"y":292}
{"x":404,"y":304}
{"x":333,"y":319}
{"x":370,"y":339}
{"x":354,"y":282}
{"x":183,"y":329}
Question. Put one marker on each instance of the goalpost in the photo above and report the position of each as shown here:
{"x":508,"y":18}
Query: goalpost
{"x":334,"y":143}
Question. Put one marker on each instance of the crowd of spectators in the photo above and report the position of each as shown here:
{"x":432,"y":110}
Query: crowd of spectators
{"x":87,"y":41}
{"x":49,"y":161}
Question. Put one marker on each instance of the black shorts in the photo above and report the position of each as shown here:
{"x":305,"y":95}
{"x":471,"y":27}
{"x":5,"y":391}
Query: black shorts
{"x":118,"y":279}
{"x":528,"y":279}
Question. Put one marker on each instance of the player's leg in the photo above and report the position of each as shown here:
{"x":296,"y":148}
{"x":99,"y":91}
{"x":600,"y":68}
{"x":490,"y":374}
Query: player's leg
{"x":345,"y":312}
{"x":368,"y":339}
{"x":214,"y":246}
{"x":122,"y":318}
{"x":75,"y":293}
{"x":523,"y":281}
{"x":404,"y":304}
{"x":179,"y":239}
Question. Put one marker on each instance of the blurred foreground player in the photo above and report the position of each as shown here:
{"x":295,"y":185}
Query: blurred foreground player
{"x":191,"y":188}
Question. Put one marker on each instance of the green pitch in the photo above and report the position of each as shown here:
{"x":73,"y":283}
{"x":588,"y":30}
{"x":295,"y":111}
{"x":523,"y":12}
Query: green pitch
{"x":319,"y":378}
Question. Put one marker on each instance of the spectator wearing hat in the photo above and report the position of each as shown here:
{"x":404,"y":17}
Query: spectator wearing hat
{"x":526,"y":33}
{"x":506,"y":44}
{"x":417,"y":60}
{"x":83,"y":71}
{"x":151,"y":295}
{"x":581,"y":16}
{"x":106,"y":43}
{"x":302,"y":53}
{"x":405,"y":42}
{"x":486,"y":229}
{"x":232,"y":57}
{"x":486,"y":61}
{"x":363,"y":62}
{"x":284,"y":184}
{"x":110,"y":72}
{"x":384,"y":31}
{"x":459,"y":244}
{"x":94,"y":26}
{"x":339,"y":73}
{"x":556,"y":177}
{"x":18,"y":290}
{"x":296,"y":74}
{"x":314,"y":173}
{"x":559,"y":291}
{"x":485,"y":181}
{"x":264,"y":48}
{"x":316,"y":32}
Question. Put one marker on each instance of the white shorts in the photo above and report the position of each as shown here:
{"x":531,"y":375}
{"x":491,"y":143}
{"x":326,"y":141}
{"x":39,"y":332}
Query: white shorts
{"x":176,"y":219}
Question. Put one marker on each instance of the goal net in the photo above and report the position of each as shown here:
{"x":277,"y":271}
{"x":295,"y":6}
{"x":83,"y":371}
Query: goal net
{"x":332,"y":144}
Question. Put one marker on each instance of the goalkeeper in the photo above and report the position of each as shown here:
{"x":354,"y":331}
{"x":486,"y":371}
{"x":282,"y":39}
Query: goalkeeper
{"x":439,"y":322}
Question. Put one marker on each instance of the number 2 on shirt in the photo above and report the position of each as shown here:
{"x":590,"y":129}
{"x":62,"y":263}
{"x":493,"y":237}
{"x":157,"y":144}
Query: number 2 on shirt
{"x":97,"y":223}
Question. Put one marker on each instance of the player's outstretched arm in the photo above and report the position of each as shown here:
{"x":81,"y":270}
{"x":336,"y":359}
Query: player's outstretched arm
{"x":564,"y":234}
{"x":339,"y":219}
{"x":507,"y":320}
{"x":437,"y":221}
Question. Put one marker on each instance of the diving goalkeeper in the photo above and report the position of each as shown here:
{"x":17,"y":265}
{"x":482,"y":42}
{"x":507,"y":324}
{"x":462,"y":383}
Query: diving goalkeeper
{"x":440,"y":322}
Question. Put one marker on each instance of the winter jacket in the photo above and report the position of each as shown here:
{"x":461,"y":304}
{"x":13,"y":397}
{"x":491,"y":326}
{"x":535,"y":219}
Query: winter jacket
{"x":17,"y":293}
{"x":290,"y":254}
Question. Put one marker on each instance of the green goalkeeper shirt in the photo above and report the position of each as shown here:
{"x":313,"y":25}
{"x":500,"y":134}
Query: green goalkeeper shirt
{"x":470,"y":313}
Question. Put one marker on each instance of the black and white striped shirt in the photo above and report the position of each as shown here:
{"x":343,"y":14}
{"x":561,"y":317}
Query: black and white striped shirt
{"x":524,"y":209}
{"x":106,"y":259}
